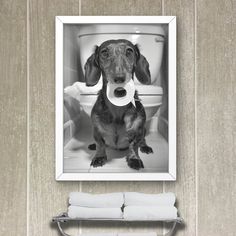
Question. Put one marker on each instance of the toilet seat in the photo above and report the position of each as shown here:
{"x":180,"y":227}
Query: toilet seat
{"x":88,"y":29}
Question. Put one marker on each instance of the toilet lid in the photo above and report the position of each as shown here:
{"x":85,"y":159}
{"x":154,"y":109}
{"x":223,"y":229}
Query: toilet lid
{"x":91,"y":29}
{"x":88,"y":90}
{"x":142,"y":89}
{"x":148,"y":89}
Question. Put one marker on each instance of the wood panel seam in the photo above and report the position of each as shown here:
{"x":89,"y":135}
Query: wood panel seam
{"x":195,"y":117}
{"x":163,"y":184}
{"x":80,"y":183}
{"x":27,"y":120}
{"x":80,"y":4}
{"x":162,"y":7}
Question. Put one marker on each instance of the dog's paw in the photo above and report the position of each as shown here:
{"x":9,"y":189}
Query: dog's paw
{"x":98,"y":161}
{"x":146,"y":149}
{"x":135,"y":163}
{"x":92,"y":146}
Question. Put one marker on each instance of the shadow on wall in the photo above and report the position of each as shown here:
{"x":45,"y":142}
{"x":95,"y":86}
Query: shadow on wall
{"x":72,"y":113}
{"x":75,"y":119}
{"x":72,"y":70}
{"x":163,"y":111}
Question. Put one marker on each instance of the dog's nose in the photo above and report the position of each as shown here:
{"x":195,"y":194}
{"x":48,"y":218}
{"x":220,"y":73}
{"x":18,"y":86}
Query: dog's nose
{"x":119,"y":79}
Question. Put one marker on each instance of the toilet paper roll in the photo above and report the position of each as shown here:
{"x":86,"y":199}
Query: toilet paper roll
{"x":121,"y":101}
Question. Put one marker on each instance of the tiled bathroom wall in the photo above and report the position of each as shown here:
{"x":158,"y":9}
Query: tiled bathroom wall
{"x":205,"y":185}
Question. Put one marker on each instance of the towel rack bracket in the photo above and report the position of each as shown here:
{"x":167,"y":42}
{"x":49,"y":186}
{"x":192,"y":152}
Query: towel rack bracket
{"x":63,"y":217}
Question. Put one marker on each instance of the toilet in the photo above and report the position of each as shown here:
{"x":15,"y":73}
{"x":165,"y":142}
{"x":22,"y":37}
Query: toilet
{"x":150,"y":39}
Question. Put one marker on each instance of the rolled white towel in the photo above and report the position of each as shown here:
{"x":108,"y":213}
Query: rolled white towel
{"x":143,"y":199}
{"x":98,"y":234}
{"x":96,"y":200}
{"x":150,"y":213}
{"x":138,"y":234}
{"x":94,"y":213}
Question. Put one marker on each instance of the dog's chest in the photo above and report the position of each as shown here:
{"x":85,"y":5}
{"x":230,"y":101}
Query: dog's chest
{"x":115,"y":136}
{"x":114,"y":130}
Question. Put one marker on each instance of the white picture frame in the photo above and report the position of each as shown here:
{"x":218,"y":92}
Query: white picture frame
{"x":170,"y":174}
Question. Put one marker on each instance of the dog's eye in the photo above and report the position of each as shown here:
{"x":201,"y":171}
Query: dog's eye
{"x":129,"y":52}
{"x":104,"y":53}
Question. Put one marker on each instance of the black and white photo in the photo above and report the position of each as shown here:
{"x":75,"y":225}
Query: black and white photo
{"x":115,"y":98}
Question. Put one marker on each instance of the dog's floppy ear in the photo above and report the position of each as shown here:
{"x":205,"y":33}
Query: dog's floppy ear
{"x":141,"y":70}
{"x":92,"y":69}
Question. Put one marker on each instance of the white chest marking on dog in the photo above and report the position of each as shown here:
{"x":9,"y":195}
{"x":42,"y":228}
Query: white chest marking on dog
{"x":133,"y":102}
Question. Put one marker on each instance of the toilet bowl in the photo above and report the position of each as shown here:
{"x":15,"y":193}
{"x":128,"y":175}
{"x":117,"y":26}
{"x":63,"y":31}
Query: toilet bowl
{"x":150,"y":96}
{"x":150,"y":39}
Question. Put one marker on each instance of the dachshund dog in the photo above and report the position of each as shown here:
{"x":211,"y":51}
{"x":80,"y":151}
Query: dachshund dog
{"x":118,"y":127}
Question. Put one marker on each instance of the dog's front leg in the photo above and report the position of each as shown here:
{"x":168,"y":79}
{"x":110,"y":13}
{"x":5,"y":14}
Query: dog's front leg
{"x":100,"y":157}
{"x":133,"y":158}
{"x":134,"y":129}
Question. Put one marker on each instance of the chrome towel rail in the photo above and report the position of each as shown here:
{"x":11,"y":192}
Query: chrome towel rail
{"x":63,"y":218}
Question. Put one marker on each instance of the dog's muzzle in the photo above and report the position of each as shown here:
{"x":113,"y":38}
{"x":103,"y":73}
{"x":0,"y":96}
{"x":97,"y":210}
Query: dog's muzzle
{"x":120,"y":92}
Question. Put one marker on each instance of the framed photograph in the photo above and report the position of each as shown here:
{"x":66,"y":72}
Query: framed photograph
{"x":115,"y":98}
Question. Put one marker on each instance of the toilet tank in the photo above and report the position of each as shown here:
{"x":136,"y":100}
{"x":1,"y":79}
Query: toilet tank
{"x":149,"y":37}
